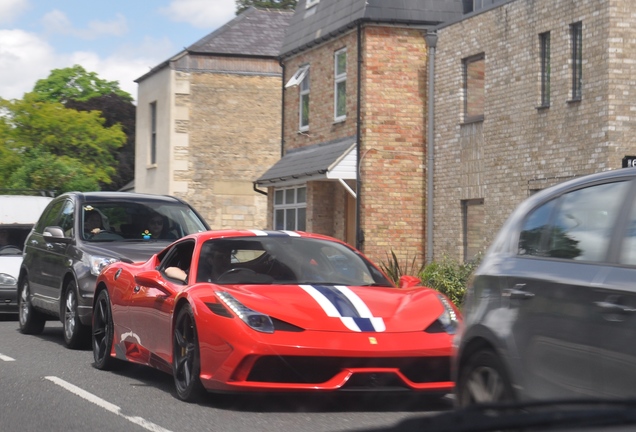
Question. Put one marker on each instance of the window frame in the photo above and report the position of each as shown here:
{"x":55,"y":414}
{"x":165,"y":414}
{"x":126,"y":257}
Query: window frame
{"x":339,"y":79}
{"x":576,"y":42}
{"x":286,"y":206}
{"x":304,"y":90}
{"x":467,"y":80}
{"x":153,"y":133}
{"x":544,"y":49}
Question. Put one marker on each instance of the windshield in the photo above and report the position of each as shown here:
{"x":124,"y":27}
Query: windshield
{"x":285,"y":260}
{"x":147,"y":220}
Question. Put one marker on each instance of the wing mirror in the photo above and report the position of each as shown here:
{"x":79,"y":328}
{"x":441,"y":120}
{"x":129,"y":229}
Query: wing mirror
{"x":55,"y":234}
{"x":409,"y":281}
{"x":153,"y":279}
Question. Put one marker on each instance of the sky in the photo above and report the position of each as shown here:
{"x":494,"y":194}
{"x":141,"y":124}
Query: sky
{"x":120,"y":40}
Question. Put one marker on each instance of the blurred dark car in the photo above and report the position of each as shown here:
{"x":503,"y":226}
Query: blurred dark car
{"x":76,"y":236}
{"x":551,"y":310}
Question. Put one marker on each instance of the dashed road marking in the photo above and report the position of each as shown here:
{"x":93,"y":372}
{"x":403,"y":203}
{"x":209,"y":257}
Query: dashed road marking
{"x":6,"y":358}
{"x":106,"y":405}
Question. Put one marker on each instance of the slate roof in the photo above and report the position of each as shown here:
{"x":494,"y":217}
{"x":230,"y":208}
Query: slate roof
{"x":331,"y":17}
{"x":255,"y":32}
{"x":308,"y":161}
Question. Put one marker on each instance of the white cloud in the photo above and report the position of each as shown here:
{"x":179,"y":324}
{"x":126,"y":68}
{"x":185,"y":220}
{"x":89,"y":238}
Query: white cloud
{"x":24,"y":59}
{"x":11,"y":9}
{"x":56,"y":22}
{"x":203,"y":14}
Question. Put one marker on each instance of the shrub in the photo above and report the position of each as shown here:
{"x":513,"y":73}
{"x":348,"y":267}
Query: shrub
{"x":449,"y":277}
{"x":394,"y":269}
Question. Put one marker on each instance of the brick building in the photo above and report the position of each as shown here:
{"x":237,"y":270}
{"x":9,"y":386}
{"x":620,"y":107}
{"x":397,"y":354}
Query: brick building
{"x":354,"y":132}
{"x":528,"y":93}
{"x":208,"y":120}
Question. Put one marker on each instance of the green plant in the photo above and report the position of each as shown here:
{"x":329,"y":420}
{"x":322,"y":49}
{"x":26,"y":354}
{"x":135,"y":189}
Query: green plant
{"x":449,"y":277}
{"x":394,"y":269}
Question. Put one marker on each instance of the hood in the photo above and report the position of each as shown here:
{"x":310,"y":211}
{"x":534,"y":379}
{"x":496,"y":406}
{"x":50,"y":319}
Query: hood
{"x":10,"y":265}
{"x":126,"y":251}
{"x":344,"y":308}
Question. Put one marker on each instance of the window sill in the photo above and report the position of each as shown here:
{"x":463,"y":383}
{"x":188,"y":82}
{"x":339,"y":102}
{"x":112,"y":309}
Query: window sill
{"x":574,"y":100}
{"x":339,"y":120}
{"x":542,"y":107}
{"x":151,"y":166}
{"x":472,"y":120}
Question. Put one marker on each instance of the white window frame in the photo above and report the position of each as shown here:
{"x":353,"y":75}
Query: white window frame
{"x":311,"y":3}
{"x":339,"y":78}
{"x":304,"y":93}
{"x":292,"y":202}
{"x":298,"y":77}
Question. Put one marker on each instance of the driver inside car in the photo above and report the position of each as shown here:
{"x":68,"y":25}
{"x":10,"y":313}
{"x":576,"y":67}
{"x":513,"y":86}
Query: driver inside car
{"x":213,"y":263}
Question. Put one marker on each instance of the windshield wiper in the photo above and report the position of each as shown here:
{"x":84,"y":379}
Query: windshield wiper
{"x":545,"y":415}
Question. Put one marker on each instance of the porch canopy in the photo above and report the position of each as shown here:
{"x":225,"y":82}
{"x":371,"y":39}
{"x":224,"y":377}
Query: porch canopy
{"x":332,"y":160}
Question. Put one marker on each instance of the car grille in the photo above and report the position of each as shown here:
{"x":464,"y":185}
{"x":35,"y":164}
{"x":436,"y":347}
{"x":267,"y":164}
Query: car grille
{"x":315,"y":370}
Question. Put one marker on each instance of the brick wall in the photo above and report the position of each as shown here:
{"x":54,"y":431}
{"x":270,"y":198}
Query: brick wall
{"x":518,"y":147}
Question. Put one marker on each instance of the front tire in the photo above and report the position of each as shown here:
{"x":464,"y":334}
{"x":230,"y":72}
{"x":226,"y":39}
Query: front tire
{"x":75,"y":333}
{"x":31,"y":321}
{"x":102,"y":334}
{"x":484,"y":379}
{"x":186,"y":366}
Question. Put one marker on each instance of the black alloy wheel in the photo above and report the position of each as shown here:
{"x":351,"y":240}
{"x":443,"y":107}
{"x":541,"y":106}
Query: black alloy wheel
{"x":31,"y":321}
{"x":75,"y":333}
{"x":483,"y":379}
{"x":102,"y":337}
{"x":186,"y":365}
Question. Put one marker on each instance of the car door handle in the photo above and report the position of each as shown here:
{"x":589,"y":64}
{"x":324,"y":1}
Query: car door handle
{"x":611,"y":307}
{"x":518,"y":292}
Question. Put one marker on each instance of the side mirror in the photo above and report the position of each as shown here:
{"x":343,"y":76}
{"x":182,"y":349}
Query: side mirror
{"x":409,"y":281}
{"x":55,"y":234}
{"x":153,"y":279}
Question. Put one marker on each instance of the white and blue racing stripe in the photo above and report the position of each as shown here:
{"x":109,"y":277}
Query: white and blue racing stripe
{"x":340,"y":302}
{"x":282,"y":233}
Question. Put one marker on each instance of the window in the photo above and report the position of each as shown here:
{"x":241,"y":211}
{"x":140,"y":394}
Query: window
{"x":153,"y":133}
{"x":474,"y":88}
{"x":544,"y":41}
{"x":576,"y":33}
{"x":304,"y":103}
{"x":311,"y":3}
{"x":474,"y":227}
{"x":340,"y":85}
{"x":290,"y":207}
{"x":576,"y":226}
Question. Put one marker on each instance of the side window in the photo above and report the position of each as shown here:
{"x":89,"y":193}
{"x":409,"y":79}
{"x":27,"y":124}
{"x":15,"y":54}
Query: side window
{"x":50,"y":216}
{"x":583,"y":223}
{"x":534,"y":230}
{"x":66,"y":219}
{"x":628,"y":248}
{"x":180,"y":256}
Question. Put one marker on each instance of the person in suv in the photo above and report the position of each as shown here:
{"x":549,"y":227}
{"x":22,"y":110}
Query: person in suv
{"x":79,"y":234}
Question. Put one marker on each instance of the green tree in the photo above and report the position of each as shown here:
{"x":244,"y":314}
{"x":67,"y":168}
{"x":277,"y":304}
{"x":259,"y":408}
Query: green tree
{"x":75,"y":83}
{"x":241,"y":5}
{"x":55,"y":144}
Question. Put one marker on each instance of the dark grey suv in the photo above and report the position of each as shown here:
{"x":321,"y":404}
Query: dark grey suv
{"x":551,"y":310}
{"x":80,"y":233}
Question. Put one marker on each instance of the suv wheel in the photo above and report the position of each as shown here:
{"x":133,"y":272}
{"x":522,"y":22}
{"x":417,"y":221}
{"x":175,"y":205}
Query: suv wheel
{"x":483,"y":379}
{"x":31,"y":321}
{"x":75,"y":333}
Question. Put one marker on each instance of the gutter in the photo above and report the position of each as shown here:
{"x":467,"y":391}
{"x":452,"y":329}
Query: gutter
{"x":431,"y":41}
{"x":359,"y":232}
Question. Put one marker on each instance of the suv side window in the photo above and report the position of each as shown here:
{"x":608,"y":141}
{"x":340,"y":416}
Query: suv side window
{"x":534,"y":230}
{"x":628,"y":248}
{"x":66,"y":219}
{"x":582,"y":226}
{"x":50,"y":216}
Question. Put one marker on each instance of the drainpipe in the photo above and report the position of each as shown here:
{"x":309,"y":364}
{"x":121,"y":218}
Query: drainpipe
{"x":282,"y":109}
{"x":431,"y":41}
{"x":359,"y":232}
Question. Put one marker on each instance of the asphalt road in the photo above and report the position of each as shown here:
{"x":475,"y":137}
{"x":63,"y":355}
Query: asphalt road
{"x":46,"y":387}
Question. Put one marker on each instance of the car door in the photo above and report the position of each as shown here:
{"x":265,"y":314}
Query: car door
{"x":614,"y":323}
{"x":55,"y":262}
{"x":562,"y":258}
{"x":151,"y":309}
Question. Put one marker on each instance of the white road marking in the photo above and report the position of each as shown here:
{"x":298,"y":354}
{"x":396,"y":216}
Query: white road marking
{"x":6,"y":358}
{"x":106,"y":405}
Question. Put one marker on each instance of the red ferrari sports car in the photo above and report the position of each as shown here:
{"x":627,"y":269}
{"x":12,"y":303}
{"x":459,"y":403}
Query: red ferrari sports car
{"x":272,"y":311}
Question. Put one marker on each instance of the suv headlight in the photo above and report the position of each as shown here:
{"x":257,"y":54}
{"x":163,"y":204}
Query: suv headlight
{"x":7,"y":279}
{"x":97,"y":263}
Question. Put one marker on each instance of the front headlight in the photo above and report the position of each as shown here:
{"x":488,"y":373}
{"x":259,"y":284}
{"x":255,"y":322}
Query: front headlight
{"x":7,"y":279}
{"x":97,"y":263}
{"x":448,"y":319}
{"x":256,"y":320}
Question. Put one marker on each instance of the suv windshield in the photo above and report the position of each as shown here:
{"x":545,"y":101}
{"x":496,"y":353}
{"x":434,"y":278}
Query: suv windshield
{"x":147,"y":220}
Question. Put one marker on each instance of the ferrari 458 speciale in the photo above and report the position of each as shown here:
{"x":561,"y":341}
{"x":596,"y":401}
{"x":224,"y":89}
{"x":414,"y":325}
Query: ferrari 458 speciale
{"x":272,"y":311}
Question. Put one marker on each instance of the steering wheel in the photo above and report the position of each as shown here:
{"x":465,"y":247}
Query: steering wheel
{"x":235,"y":271}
